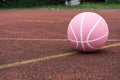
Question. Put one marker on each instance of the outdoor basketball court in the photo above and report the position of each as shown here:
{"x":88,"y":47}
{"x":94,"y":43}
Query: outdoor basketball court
{"x":34,"y":46}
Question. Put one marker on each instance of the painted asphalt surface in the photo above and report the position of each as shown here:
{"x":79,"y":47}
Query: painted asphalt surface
{"x":20,"y":39}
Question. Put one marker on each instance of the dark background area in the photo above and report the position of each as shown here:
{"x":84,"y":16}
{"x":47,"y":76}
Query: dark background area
{"x":35,"y":3}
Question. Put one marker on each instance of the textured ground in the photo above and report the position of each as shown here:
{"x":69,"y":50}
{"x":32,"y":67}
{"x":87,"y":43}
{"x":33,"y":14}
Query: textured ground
{"x":33,"y":46}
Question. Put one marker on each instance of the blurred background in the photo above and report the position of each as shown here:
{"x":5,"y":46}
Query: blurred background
{"x":39,"y":3}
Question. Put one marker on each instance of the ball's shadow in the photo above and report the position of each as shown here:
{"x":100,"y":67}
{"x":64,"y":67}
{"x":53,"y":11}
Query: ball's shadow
{"x":101,"y":51}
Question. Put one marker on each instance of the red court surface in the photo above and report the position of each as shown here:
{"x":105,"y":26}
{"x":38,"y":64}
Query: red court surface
{"x":34,"y":46}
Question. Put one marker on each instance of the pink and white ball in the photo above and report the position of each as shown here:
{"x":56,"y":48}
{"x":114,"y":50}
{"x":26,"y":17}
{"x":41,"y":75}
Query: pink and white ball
{"x":87,"y":32}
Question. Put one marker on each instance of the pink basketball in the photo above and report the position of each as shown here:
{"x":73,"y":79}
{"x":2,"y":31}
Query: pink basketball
{"x":87,"y":32}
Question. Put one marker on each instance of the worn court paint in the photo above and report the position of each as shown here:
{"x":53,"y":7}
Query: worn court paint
{"x":37,"y":39}
{"x":48,"y":57}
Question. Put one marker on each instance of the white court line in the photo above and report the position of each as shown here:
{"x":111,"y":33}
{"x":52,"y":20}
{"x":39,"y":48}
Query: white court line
{"x":111,"y":40}
{"x":32,"y":20}
{"x":37,"y":39}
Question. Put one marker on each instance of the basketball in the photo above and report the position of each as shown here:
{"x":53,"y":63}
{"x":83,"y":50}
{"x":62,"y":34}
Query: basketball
{"x":88,"y":32}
